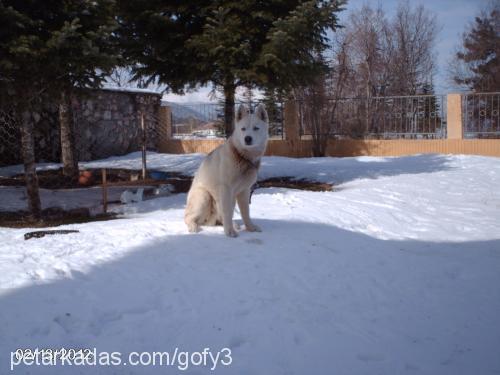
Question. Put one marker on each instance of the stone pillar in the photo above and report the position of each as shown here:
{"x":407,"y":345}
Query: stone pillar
{"x":454,"y":116}
{"x":291,"y":121}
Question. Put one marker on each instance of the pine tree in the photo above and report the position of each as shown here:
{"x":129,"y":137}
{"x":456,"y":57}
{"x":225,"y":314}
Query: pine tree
{"x":227,"y":43}
{"x":481,"y":53}
{"x":273,"y":100}
{"x":18,"y":91}
{"x":83,"y":49}
{"x":51,"y":48}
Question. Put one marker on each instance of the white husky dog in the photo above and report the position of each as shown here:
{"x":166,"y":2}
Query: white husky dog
{"x":227,"y":174}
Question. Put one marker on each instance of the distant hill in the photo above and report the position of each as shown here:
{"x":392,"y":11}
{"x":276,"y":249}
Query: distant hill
{"x":200,"y":111}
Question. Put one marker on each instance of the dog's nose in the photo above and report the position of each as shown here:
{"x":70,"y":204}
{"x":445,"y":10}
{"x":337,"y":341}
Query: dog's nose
{"x":248,"y":140}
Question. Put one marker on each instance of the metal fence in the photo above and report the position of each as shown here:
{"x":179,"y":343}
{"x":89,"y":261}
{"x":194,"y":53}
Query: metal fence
{"x":102,"y":128}
{"x":481,"y":115}
{"x":206,"y":120}
{"x":412,"y":117}
{"x":9,"y":138}
{"x":144,"y":134}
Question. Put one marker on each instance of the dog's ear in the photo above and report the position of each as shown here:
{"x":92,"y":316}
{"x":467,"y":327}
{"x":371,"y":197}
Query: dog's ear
{"x":242,"y":112}
{"x":261,"y":113}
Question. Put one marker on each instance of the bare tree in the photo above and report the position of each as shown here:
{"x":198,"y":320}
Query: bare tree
{"x":372,"y":56}
{"x":389,"y":56}
{"x":414,"y":31}
{"x":319,"y":101}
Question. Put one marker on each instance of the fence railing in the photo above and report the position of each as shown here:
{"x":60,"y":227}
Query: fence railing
{"x":413,"y":117}
{"x":481,"y":115}
{"x":206,"y":120}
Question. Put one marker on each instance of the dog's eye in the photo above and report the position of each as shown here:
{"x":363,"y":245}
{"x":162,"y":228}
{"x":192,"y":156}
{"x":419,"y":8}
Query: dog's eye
{"x":255,"y":128}
{"x":243,"y":129}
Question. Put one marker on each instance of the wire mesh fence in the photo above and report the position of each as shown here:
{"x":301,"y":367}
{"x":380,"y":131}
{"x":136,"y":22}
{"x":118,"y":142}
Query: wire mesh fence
{"x":407,"y":117}
{"x":206,"y":120}
{"x":481,"y":115}
{"x":104,"y":124}
{"x":9,"y":138}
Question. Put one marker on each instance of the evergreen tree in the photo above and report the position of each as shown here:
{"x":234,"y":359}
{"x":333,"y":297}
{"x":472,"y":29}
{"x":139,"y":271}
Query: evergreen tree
{"x":83,"y":48}
{"x":18,"y":91}
{"x":248,"y":96}
{"x":274,"y":100}
{"x":480,"y":54}
{"x":227,"y":43}
{"x":51,"y":48}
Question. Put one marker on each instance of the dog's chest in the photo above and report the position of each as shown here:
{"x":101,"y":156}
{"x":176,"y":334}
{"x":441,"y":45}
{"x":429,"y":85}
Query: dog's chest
{"x":245,"y":180}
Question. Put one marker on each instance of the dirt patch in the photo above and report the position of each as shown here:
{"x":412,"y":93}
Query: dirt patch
{"x":51,"y":217}
{"x":54,"y":179}
{"x":290,"y":183}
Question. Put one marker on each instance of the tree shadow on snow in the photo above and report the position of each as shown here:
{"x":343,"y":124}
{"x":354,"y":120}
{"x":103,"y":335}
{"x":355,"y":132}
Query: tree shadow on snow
{"x":297,"y":298}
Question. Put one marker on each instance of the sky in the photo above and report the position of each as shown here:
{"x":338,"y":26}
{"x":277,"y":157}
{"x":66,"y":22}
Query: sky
{"x":452,"y":16}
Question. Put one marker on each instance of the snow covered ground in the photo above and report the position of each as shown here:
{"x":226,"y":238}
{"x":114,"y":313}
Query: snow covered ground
{"x":395,"y":272}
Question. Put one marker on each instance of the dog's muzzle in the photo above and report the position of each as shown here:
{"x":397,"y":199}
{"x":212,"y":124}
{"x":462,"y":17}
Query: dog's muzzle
{"x":248,"y":140}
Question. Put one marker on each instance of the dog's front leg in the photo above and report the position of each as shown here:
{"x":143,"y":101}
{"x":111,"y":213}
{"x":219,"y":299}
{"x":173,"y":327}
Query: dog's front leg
{"x":243,"y":203}
{"x":226,"y":203}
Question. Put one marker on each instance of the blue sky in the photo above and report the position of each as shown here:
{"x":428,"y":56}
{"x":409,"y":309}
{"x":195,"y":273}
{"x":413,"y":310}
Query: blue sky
{"x":452,"y":16}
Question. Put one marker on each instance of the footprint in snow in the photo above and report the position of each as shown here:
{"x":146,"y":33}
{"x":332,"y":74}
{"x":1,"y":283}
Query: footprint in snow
{"x":236,"y":342}
{"x":255,"y":241}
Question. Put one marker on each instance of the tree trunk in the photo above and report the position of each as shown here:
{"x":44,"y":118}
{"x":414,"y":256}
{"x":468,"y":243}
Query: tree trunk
{"x":31,"y":180}
{"x":229,"y":91}
{"x":68,"y":155}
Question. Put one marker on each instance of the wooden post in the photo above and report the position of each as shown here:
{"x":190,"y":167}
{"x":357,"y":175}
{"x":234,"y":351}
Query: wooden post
{"x":104,"y":191}
{"x":291,"y":121}
{"x":143,"y":147}
{"x":291,"y":125}
{"x":165,"y":128}
{"x":454,"y":116}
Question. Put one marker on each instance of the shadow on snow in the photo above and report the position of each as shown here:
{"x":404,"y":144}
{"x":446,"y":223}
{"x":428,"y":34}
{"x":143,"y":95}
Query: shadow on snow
{"x":298,"y":298}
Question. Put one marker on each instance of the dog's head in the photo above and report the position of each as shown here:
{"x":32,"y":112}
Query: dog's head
{"x":251,"y":129}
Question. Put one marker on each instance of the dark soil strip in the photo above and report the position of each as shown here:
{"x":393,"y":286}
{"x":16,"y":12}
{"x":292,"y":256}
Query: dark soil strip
{"x":53,"y":179}
{"x":51,"y":217}
{"x":289,"y":183}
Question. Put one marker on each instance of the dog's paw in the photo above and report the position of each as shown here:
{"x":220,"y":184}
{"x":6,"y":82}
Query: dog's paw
{"x":253,"y":228}
{"x":231,"y":232}
{"x":193,"y":228}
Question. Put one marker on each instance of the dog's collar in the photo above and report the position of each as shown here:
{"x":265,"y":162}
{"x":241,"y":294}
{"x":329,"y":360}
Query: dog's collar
{"x":240,"y":157}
